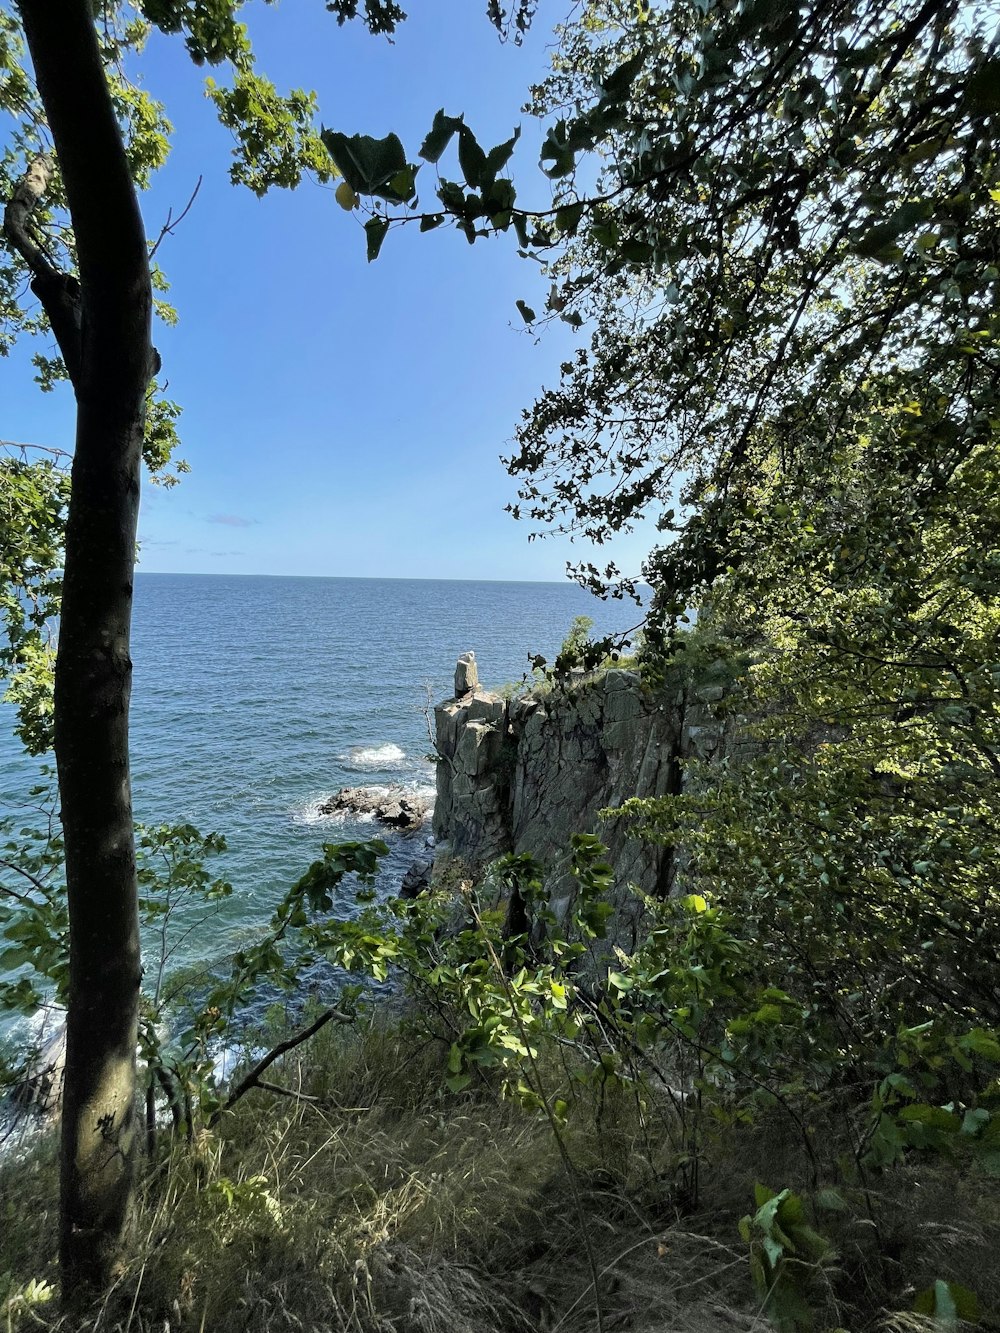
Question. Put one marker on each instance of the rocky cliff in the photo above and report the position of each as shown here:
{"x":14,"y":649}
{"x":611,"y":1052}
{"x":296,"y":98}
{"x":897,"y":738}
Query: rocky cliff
{"x":523,"y":775}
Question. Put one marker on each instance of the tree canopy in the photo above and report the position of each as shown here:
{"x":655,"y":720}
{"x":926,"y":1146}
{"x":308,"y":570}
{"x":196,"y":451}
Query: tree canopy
{"x":756,"y":210}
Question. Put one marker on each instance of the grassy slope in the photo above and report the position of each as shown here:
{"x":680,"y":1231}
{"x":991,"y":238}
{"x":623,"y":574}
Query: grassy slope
{"x":386,"y":1204}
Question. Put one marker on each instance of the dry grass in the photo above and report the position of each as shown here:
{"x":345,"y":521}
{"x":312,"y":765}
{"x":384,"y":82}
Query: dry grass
{"x":388,"y":1207}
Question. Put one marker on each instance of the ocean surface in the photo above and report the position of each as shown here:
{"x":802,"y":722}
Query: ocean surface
{"x":256,"y":698}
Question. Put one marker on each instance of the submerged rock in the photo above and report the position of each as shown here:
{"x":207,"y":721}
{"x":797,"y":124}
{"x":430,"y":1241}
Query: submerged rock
{"x":394,"y":806}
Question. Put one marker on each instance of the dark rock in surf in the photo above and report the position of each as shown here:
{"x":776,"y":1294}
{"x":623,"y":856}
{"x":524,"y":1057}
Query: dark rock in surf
{"x":394,"y":806}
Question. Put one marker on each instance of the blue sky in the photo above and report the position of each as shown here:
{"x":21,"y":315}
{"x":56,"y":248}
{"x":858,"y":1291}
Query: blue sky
{"x":342,"y":418}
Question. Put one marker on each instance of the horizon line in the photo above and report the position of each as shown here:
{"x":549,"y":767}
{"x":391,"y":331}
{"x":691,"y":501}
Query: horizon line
{"x":359,"y":578}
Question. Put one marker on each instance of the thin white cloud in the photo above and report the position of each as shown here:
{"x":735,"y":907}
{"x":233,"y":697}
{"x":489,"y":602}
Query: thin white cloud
{"x":231,"y":520}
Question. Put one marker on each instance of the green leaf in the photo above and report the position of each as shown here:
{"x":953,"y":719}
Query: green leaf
{"x":346,"y":197}
{"x":452,"y":196}
{"x":982,"y":1044}
{"x":568,"y":218}
{"x":471,"y":158}
{"x":440,"y":136}
{"x":948,"y":1302}
{"x":497,"y":158}
{"x":368,"y":165}
{"x":618,"y":83}
{"x":563,"y":159}
{"x":974,"y":1120}
{"x":934,"y":1117}
{"x":982,"y":87}
{"x":403,"y":184}
{"x":500,"y":196}
{"x":527,"y":314}
{"x":375,"y":230}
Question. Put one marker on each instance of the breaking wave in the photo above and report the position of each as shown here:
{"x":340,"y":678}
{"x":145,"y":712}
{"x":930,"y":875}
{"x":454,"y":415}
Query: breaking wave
{"x":312,"y":811}
{"x":374,"y":756}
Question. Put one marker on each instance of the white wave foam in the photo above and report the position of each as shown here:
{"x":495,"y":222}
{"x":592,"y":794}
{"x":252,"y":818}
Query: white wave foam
{"x":374,"y":756}
{"x":426,"y":791}
{"x":313,"y":813}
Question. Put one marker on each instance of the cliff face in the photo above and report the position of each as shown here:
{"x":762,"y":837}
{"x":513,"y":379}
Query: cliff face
{"x":523,"y":776}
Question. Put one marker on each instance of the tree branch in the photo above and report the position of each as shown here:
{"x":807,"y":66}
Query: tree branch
{"x":58,"y":292}
{"x":114,"y":285}
{"x":252,"y":1080}
{"x":172,"y":223}
{"x":17,"y":215}
{"x":285,"y":1092}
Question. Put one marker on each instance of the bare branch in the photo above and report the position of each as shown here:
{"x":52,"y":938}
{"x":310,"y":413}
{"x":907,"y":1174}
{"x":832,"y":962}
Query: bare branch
{"x":252,"y":1079}
{"x":172,"y":223}
{"x":23,"y":449}
{"x":285,"y":1092}
{"x":33,"y":880}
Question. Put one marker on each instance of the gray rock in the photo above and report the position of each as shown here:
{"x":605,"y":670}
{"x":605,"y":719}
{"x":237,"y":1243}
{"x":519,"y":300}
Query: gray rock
{"x":417,"y":878}
{"x":41,"y":1088}
{"x":710,"y":694}
{"x":623,"y":706}
{"x":394,"y":806}
{"x":466,"y":675}
{"x":704,"y":741}
{"x":526,"y":776}
{"x":617,"y":679}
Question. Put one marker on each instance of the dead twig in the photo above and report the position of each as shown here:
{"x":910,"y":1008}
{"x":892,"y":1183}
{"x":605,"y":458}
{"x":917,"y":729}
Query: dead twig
{"x":172,"y":223}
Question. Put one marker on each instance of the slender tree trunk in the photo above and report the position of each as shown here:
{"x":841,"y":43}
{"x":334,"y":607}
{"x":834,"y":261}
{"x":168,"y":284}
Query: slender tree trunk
{"x":106,"y":345}
{"x":93,"y":679}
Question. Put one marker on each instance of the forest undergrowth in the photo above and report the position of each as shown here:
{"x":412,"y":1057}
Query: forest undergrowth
{"x":375,"y":1200}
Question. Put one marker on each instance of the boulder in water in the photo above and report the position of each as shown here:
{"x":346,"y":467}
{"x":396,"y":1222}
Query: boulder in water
{"x":394,"y":806}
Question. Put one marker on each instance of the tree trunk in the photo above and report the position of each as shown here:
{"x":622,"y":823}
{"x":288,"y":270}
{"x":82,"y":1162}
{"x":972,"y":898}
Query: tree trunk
{"x":93,"y":680}
{"x":108,"y":352}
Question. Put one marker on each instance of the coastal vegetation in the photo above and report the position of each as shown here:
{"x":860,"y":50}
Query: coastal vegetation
{"x":779,"y":228}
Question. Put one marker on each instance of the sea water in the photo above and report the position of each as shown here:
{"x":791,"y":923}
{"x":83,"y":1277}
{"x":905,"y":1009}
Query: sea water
{"x":255,"y":698}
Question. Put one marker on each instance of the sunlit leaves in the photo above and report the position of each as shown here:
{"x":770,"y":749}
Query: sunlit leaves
{"x":346,"y":197}
{"x":34,"y":493}
{"x":277,"y":142}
